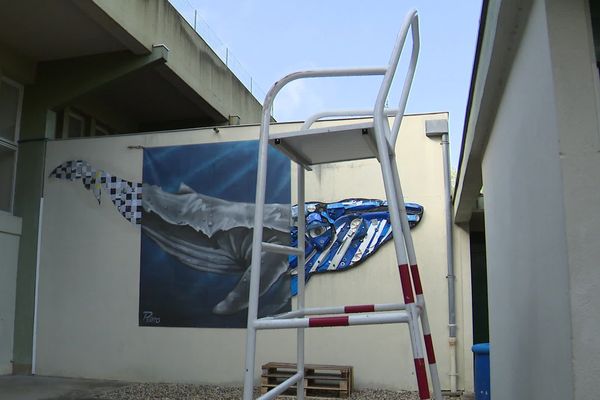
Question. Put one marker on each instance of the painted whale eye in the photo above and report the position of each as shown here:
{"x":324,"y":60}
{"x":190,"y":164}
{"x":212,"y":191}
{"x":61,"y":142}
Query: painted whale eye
{"x":318,"y":231}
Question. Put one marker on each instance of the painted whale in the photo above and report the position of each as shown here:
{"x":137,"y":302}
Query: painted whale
{"x":214,"y":235}
{"x":202,"y":232}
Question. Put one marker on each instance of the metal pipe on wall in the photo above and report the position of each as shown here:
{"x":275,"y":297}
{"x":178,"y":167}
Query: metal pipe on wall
{"x":36,"y":290}
{"x":450,"y":255}
{"x":439,"y":128}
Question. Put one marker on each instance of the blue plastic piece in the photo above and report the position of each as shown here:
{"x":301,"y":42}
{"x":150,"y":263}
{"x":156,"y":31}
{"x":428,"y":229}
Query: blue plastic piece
{"x":481,"y":357}
{"x":328,"y":231}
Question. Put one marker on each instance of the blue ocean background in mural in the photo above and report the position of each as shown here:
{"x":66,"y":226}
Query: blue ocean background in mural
{"x":171,"y":292}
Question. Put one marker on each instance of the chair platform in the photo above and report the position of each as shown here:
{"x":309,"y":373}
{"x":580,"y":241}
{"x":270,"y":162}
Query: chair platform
{"x":328,"y":144}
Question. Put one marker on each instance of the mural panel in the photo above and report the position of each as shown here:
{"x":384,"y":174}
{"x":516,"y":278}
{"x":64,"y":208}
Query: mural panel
{"x":196,"y":211}
{"x":197,"y":234}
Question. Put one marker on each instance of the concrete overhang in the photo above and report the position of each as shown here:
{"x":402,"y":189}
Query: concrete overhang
{"x":191,"y":59}
{"x":500,"y":31}
{"x":157,"y":98}
{"x":53,"y":30}
{"x":196,"y":85}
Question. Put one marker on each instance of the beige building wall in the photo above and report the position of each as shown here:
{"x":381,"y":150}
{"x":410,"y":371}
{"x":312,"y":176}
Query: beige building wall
{"x":10,"y":232}
{"x":89,"y":277}
{"x":121,"y":66}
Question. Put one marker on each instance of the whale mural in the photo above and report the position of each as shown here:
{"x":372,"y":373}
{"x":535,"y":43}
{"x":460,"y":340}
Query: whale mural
{"x":195,"y":207}
{"x":213,"y":235}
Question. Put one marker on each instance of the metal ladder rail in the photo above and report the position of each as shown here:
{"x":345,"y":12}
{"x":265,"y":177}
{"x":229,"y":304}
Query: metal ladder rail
{"x":391,"y":192}
{"x":301,"y":262}
{"x":348,"y":309}
{"x":394,"y":194}
{"x":420,"y":299}
{"x":392,"y":135}
{"x":343,"y":113}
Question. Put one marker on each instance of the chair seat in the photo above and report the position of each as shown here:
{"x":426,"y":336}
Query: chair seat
{"x":327,"y":145}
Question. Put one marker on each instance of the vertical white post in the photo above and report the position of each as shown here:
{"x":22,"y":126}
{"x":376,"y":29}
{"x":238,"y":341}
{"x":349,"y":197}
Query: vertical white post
{"x":381,"y":128}
{"x":261,"y":183}
{"x":450,"y":261}
{"x":412,"y":259}
{"x":37,"y":284}
{"x":300,"y":269}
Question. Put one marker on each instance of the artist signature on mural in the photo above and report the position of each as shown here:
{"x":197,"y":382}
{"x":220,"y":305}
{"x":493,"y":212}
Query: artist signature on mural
{"x":148,"y":317}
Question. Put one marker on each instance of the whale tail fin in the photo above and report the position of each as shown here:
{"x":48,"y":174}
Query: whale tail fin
{"x":125,"y":195}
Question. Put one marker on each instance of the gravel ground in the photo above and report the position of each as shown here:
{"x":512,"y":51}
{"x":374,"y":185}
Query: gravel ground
{"x":154,"y":391}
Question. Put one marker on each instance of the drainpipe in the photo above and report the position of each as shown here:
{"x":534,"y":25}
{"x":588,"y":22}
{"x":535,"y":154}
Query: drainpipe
{"x":450,"y":254}
{"x":36,"y":293}
{"x":439,"y":128}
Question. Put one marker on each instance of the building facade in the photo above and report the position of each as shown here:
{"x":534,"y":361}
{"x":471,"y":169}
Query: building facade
{"x":94,"y":277}
{"x":531,"y":145}
{"x":73,"y":69}
{"x":97,"y":79}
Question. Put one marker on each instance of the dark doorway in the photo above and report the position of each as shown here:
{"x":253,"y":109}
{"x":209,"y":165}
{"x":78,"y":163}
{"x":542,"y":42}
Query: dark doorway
{"x":481,"y":331}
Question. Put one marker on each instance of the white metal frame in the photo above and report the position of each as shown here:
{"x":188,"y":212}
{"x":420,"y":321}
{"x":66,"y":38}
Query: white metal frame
{"x":413,"y":309}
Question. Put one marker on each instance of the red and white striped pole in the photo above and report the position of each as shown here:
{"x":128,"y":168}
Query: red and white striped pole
{"x":349,"y":309}
{"x":395,"y":200}
{"x":413,"y":325}
{"x":416,"y":279}
{"x":334,"y":320}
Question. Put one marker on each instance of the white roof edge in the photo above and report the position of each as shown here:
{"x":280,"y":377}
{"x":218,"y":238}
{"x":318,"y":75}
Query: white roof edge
{"x":499,"y":38}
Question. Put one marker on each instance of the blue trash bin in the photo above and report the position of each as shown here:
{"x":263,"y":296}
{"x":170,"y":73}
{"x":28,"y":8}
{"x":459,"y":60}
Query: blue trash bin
{"x":481,"y":364}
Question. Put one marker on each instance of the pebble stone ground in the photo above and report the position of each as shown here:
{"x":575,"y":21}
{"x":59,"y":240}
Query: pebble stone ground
{"x":210,"y":392}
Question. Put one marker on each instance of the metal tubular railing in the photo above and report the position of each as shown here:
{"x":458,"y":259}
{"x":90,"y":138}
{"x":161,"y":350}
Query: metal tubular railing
{"x":298,"y":378}
{"x":301,"y":263}
{"x":384,"y":140}
{"x":413,"y":307}
{"x":260,"y":201}
{"x":411,"y":21}
{"x":301,"y":312}
{"x":330,"y":321}
{"x":281,"y":249}
{"x":343,"y":113}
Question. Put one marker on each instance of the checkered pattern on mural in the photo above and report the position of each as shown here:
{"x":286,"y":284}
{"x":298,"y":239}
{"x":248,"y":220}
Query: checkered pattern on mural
{"x":125,"y":195}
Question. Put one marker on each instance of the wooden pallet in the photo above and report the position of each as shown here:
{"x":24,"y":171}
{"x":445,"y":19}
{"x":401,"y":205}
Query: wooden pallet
{"x":320,"y":381}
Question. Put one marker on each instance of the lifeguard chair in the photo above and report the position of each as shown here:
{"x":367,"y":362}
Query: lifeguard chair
{"x":307,"y":147}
